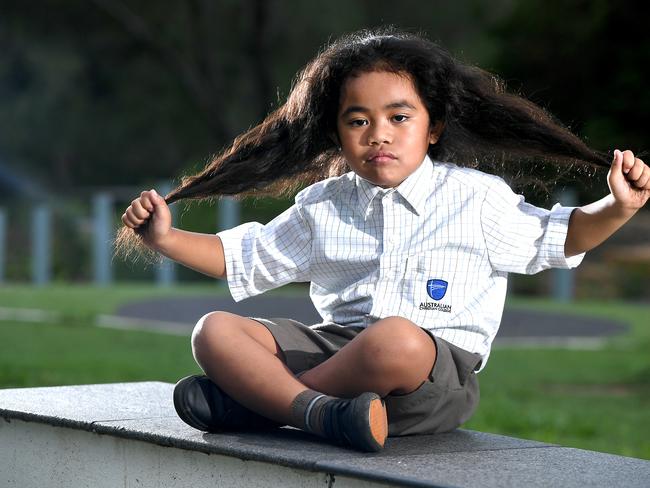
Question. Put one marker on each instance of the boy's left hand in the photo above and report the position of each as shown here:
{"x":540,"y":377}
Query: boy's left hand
{"x":629,"y":180}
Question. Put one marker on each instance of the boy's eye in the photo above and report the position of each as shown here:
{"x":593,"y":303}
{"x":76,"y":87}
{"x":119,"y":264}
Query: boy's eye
{"x":362,"y":122}
{"x":357,"y":122}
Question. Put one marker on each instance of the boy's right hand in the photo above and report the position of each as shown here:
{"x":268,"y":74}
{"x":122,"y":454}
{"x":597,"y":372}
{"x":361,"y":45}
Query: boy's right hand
{"x":150,"y":208}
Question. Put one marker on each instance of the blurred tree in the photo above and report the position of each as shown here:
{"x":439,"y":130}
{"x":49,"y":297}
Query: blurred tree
{"x":189,"y":48}
{"x":105,"y":92}
{"x":583,"y":60}
{"x":110,"y":91}
{"x":113,"y":92}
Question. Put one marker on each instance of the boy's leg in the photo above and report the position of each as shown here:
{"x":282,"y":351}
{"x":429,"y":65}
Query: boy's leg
{"x":393,"y":355}
{"x":241,"y":356}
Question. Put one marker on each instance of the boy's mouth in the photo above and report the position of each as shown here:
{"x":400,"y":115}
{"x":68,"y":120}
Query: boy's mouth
{"x":380,"y":157}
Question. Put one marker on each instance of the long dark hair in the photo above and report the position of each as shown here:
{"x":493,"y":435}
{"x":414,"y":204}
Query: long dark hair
{"x":483,"y":123}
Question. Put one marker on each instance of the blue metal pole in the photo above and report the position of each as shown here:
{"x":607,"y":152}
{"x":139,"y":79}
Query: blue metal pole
{"x":102,"y":206}
{"x":3,"y":243}
{"x":564,"y":279}
{"x":165,"y":270}
{"x":41,"y":247}
{"x":229,"y":213}
{"x":229,"y":216}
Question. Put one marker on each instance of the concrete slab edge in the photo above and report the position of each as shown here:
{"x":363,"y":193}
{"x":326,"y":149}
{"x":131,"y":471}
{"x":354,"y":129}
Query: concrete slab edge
{"x":103,"y":427}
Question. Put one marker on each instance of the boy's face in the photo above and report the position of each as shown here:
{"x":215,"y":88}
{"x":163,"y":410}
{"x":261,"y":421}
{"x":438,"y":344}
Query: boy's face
{"x":383,"y":127}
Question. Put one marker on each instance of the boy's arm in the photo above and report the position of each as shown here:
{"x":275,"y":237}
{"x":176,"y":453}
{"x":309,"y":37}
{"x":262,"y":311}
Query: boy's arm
{"x":629,"y":183}
{"x":201,"y":252}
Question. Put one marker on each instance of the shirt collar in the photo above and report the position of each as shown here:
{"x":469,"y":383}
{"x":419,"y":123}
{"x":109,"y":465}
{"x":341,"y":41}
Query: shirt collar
{"x":413,"y":189}
{"x":417,"y":187}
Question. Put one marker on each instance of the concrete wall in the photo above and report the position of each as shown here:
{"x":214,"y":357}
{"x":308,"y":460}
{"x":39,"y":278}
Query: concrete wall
{"x":35,"y":455}
{"x":128,"y":435}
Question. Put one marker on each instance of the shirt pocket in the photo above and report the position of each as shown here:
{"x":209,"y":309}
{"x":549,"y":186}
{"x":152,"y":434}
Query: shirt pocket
{"x":426,"y":281}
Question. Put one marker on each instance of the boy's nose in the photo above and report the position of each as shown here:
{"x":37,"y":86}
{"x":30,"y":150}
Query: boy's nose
{"x":378,"y":136}
{"x":377,"y":141}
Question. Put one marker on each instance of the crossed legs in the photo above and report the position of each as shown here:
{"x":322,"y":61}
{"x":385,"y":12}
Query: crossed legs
{"x":241,"y":356}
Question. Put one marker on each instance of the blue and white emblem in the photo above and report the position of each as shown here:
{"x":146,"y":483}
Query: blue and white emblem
{"x":436,"y":289}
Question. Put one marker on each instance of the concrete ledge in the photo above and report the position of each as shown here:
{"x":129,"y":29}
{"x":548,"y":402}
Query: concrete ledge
{"x":129,"y":435}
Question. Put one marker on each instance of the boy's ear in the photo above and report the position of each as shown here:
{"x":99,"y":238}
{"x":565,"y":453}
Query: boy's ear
{"x":435,"y":131}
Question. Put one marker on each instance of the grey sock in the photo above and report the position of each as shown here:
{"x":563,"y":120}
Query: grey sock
{"x":307,"y":410}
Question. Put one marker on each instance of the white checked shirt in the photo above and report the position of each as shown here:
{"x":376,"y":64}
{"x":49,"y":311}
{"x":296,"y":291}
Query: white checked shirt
{"x":436,"y":250}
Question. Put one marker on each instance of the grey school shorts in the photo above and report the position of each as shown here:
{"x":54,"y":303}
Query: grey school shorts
{"x":441,"y":404}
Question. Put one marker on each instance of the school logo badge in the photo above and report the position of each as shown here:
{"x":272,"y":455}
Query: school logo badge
{"x":436,"y":289}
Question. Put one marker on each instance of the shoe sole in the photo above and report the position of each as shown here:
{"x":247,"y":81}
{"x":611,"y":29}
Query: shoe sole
{"x":183,"y":411}
{"x":378,"y":423}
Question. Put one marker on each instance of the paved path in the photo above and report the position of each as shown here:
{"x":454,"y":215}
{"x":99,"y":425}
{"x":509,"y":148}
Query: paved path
{"x":517,"y":327}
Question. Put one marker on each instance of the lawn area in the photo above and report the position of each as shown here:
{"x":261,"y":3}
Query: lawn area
{"x":591,"y":399}
{"x":71,"y":350}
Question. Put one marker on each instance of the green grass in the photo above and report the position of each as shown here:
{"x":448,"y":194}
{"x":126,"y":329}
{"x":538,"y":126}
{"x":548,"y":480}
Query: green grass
{"x":70,"y":350}
{"x":73,"y":351}
{"x":80,"y":300}
{"x":591,"y":399}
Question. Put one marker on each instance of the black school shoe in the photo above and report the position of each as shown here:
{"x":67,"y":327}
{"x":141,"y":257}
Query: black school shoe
{"x":360,"y":423}
{"x":203,"y":405}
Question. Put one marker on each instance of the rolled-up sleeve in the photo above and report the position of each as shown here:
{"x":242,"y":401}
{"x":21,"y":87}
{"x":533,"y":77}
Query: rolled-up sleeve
{"x":262,"y":257}
{"x":523,"y":238}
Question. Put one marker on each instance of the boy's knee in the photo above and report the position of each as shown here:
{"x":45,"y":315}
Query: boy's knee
{"x":398,"y":341}
{"x":208,"y":329}
{"x":399,"y":329}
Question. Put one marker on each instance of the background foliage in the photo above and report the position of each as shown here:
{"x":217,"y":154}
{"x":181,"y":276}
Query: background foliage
{"x":110,"y":93}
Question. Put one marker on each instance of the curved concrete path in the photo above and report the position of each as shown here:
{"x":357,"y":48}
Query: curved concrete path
{"x":518,"y":327}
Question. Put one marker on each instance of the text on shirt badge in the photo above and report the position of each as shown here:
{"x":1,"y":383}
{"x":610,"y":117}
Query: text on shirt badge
{"x":436,"y":289}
